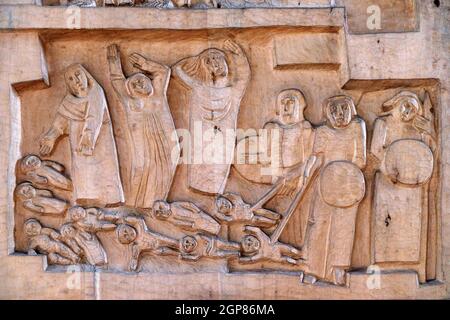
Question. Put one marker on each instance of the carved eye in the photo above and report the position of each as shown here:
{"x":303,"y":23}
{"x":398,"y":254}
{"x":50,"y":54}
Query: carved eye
{"x":71,"y":78}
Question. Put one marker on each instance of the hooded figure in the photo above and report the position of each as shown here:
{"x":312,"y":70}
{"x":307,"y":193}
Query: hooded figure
{"x":403,"y":142}
{"x":83,"y":115}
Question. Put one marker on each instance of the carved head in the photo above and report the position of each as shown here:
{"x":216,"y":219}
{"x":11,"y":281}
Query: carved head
{"x":25,"y":191}
{"x":404,"y":106}
{"x":77,"y":80}
{"x":223,"y":205}
{"x":76,"y":213}
{"x":340,"y":111}
{"x":161,"y":209}
{"x":250,"y":245}
{"x":188,"y":244}
{"x":30,"y":163}
{"x":290,"y":106}
{"x":126,"y":234}
{"x":68,"y":230}
{"x":215,"y":62}
{"x":32,"y":227}
{"x":207,"y":67}
{"x":139,"y":85}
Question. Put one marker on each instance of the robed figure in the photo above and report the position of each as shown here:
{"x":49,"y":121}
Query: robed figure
{"x":215,"y":82}
{"x":153,"y":148}
{"x":340,"y":144}
{"x":83,"y":115}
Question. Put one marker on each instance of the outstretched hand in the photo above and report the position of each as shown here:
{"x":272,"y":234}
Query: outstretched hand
{"x":46,"y":146}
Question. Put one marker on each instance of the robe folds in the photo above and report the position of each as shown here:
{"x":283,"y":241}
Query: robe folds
{"x":95,"y":174}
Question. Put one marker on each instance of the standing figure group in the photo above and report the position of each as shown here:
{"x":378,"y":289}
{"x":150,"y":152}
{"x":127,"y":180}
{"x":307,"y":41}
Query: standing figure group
{"x":323,"y":163}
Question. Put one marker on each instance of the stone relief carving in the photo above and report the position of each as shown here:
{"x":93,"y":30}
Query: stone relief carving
{"x":403,"y":142}
{"x":44,"y":172}
{"x":39,"y":201}
{"x":48,"y":241}
{"x":288,"y":142}
{"x":257,"y":246}
{"x":319,"y":167}
{"x":134,"y":232}
{"x":200,"y":246}
{"x":186,"y":216}
{"x":341,"y":145}
{"x":84,"y":244}
{"x":150,"y":124}
{"x":216,"y":82}
{"x":231,"y":208}
{"x":83,"y":115}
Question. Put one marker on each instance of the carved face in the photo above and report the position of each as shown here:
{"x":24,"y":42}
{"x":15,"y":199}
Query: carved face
{"x":216,"y":63}
{"x":340,"y":112}
{"x":139,"y":85}
{"x":288,"y":111}
{"x":224,"y":205}
{"x":126,"y":234}
{"x":408,"y":109}
{"x":30,"y":163}
{"x":250,"y":245}
{"x":189,"y":244}
{"x":161,"y":209}
{"x":77,"y":81}
{"x":32,"y":228}
{"x":68,"y":230}
{"x":26,"y":191}
{"x":76,"y":214}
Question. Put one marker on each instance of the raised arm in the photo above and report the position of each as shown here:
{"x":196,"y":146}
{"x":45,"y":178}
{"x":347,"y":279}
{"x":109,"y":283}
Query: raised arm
{"x":240,"y":66}
{"x":115,"y":70}
{"x":160,"y":73}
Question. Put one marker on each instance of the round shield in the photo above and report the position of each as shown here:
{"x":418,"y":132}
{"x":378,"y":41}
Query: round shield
{"x":409,"y":162}
{"x":342,"y":184}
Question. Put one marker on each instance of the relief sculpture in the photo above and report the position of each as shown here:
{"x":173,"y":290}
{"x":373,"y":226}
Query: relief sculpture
{"x":403,"y":143}
{"x":297,"y":195}
{"x":134,"y":232}
{"x":39,"y":201}
{"x":83,"y":115}
{"x":44,"y":172}
{"x":153,"y":152}
{"x":48,"y":241}
{"x":340,"y":186}
{"x":186,"y":215}
{"x":216,"y":82}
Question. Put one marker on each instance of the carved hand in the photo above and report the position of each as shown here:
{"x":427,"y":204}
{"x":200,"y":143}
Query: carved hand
{"x":86,"y":146}
{"x":138,"y":61}
{"x":113,"y":52}
{"x":47,"y":145}
{"x":233,"y":47}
